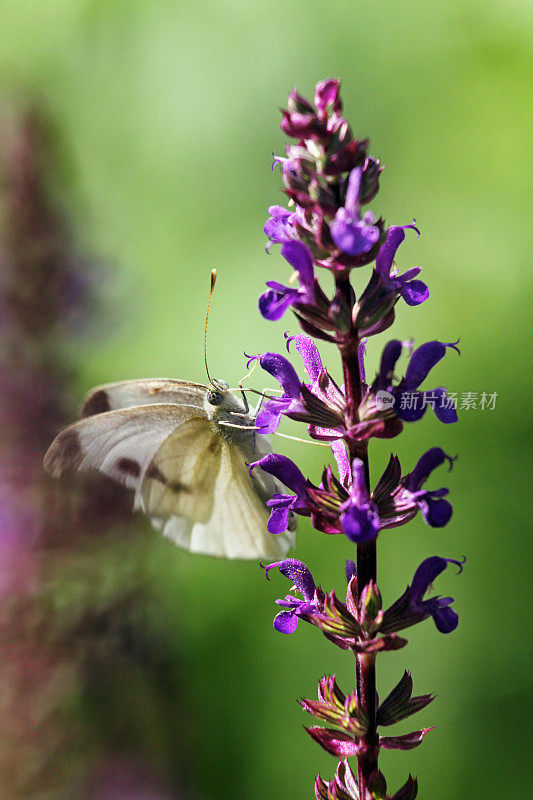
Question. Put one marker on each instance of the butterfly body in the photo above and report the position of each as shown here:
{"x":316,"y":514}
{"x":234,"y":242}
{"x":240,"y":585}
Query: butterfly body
{"x":183,"y":447}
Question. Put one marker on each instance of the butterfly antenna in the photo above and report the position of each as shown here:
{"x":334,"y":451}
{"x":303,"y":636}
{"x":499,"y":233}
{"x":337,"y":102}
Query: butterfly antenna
{"x":213,"y":281}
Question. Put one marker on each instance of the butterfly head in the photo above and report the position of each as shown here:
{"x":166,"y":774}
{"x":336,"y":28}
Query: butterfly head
{"x":217,"y":392}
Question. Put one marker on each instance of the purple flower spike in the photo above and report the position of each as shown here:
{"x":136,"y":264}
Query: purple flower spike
{"x":411,"y":607}
{"x":274,"y":303}
{"x":350,"y":232}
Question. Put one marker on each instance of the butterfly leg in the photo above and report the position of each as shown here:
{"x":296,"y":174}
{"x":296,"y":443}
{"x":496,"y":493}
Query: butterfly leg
{"x":244,"y":400}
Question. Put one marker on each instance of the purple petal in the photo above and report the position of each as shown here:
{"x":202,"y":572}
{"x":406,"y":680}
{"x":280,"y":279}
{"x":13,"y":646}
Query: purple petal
{"x":285,"y":470}
{"x":351,"y":203}
{"x":360,"y":524}
{"x":422,"y":362}
{"x":274,"y":303}
{"x":300,"y":575}
{"x":385,"y":257}
{"x":279,"y":212}
{"x":426,"y":573}
{"x":299,"y":257}
{"x":414,"y":292}
{"x":282,"y":370}
{"x":279,"y":520}
{"x":444,"y":408}
{"x":352,"y":236}
{"x":436,"y":513}
{"x":390,"y":355}
{"x":425,"y":465}
{"x":286,"y":622}
{"x":309,"y":354}
{"x":410,"y":405}
{"x":446,"y":619}
{"x":270,"y":415}
{"x":350,"y":569}
{"x":279,"y":227}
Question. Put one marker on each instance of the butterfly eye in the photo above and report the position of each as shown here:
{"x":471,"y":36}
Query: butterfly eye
{"x":215,"y":398}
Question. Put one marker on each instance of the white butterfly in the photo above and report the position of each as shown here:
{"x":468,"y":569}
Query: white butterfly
{"x":183,"y":448}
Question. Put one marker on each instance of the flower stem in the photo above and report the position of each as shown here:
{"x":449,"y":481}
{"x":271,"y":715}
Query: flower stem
{"x":366,"y":551}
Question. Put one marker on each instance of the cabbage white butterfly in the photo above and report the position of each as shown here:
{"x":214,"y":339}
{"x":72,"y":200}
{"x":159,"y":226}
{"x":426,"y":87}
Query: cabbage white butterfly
{"x":182,"y":447}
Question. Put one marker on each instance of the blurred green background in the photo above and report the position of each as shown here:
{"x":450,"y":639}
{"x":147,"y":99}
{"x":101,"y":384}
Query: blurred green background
{"x":164,"y":117}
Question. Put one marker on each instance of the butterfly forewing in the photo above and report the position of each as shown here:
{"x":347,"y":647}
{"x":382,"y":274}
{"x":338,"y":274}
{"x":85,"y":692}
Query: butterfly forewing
{"x":121,"y":443}
{"x":127,"y":394}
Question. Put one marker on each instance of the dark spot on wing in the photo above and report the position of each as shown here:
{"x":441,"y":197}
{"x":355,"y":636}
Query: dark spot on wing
{"x":97,"y":403}
{"x":128,"y":466}
{"x":64,"y":453}
{"x":214,"y":445}
{"x":155,"y":474}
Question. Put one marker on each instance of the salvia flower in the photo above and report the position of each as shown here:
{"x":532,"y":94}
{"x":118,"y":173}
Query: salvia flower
{"x":280,"y":225}
{"x":319,"y":404}
{"x":411,"y":607}
{"x":343,"y":504}
{"x":312,"y":597}
{"x":279,"y":298}
{"x":348,"y":625}
{"x":412,"y":291}
{"x":387,"y":404}
{"x":399,"y":499}
{"x":352,"y":233}
{"x":374,"y":310}
{"x":282,"y":505}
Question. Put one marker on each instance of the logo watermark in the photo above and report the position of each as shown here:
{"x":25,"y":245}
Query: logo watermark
{"x":461,"y":401}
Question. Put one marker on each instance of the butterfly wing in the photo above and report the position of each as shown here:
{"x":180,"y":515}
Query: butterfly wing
{"x":187,"y":477}
{"x":120,"y":444}
{"x":127,"y":394}
{"x":209,"y":503}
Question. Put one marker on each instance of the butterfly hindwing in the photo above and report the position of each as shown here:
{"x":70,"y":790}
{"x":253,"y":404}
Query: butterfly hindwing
{"x":182,"y":476}
{"x":236,"y":526}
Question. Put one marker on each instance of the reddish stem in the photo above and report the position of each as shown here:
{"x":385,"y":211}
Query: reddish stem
{"x":366,"y":552}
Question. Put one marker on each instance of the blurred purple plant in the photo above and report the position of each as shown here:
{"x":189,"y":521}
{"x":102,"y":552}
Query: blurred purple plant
{"x":329,"y":178}
{"x":57,"y":635}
